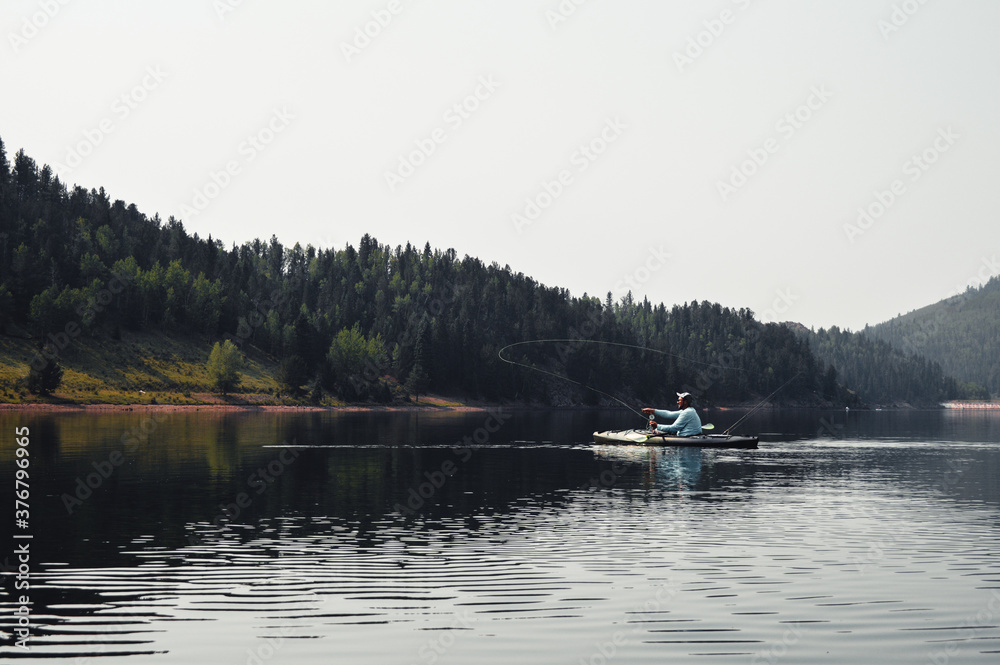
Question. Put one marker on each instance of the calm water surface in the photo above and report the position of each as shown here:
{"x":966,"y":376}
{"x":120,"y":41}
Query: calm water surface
{"x":505,"y":537}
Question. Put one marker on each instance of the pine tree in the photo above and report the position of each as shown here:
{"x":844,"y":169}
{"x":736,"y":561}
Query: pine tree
{"x":417,"y":381}
{"x":45,"y":379}
{"x":4,"y":180}
{"x":63,"y":251}
{"x":292,"y":374}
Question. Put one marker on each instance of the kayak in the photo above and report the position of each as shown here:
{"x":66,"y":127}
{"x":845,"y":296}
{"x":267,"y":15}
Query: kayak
{"x":643,"y":437}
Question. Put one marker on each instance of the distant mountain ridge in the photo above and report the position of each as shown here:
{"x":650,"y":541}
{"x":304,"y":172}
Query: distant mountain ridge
{"x":877,"y":373}
{"x":961,"y":333}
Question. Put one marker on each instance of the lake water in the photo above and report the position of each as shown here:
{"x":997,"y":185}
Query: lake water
{"x":504,"y":537}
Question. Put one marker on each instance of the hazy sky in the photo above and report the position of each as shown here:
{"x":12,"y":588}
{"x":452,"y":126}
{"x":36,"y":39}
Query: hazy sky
{"x":694,"y":150}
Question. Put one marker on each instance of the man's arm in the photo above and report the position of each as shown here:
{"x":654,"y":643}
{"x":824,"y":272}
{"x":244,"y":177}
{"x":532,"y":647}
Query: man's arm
{"x":672,"y":428}
{"x":684,"y":418}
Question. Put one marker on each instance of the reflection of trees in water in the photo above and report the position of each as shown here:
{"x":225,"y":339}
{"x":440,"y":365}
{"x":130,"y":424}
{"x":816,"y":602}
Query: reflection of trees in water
{"x":358,"y":467}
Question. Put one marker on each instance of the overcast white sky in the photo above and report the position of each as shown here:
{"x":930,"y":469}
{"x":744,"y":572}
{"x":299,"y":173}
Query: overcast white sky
{"x":833,"y":99}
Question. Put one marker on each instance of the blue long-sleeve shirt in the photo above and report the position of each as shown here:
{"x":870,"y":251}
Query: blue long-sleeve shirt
{"x":687,"y":422}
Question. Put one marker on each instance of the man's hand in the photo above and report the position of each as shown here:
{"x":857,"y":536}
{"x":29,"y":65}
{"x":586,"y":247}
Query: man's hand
{"x":647,"y":412}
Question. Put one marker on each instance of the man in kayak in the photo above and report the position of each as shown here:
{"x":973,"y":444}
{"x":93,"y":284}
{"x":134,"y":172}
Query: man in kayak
{"x":686,"y":423}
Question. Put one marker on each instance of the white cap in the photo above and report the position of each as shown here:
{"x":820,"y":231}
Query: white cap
{"x":684,"y":395}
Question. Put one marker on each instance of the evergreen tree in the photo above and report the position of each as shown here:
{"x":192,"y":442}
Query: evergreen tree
{"x":4,"y":189}
{"x":6,"y":307}
{"x":417,"y":380}
{"x":316,"y":393}
{"x":292,"y":375}
{"x":830,"y":382}
{"x":45,"y":379}
{"x":66,"y":251}
{"x":416,"y":383}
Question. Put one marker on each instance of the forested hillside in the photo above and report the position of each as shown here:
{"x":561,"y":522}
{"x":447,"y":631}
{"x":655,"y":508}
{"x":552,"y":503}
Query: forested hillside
{"x":961,"y":333}
{"x":880,"y":373}
{"x":360,"y":322}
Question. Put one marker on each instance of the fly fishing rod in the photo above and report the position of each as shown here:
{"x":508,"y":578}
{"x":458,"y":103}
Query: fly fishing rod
{"x":564,"y":378}
{"x":762,"y":403}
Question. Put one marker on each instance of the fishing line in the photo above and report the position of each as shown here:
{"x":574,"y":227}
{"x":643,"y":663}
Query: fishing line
{"x":622,"y":344}
{"x":762,"y":403}
{"x":596,"y":341}
{"x":566,"y":378}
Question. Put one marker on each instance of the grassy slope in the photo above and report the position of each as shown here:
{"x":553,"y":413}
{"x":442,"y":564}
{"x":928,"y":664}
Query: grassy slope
{"x":147,"y":366}
{"x":135,"y":370}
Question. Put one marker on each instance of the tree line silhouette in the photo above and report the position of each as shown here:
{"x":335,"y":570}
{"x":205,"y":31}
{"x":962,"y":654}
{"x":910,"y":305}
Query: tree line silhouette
{"x":960,"y":333}
{"x":371,"y":322}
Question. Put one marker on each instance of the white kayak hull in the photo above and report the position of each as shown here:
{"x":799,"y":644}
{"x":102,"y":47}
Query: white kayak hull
{"x":643,"y":437}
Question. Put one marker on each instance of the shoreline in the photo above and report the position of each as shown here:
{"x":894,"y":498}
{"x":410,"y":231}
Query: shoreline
{"x":384,"y":408}
{"x":274,"y":408}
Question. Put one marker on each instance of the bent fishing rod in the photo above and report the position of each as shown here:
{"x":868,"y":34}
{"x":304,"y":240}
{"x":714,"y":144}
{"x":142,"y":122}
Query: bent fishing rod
{"x":564,"y":378}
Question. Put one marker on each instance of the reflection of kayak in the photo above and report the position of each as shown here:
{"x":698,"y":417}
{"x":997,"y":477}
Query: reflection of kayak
{"x":642,"y":436}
